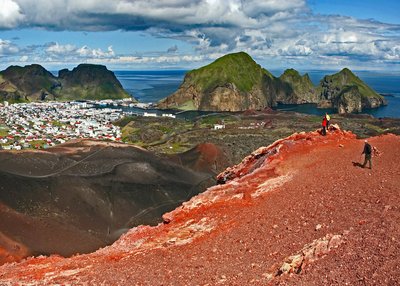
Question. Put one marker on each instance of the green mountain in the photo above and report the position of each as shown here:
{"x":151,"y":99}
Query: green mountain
{"x":34,"y":83}
{"x":238,"y":69}
{"x":88,"y":81}
{"x":347,"y":93}
{"x":29,"y":83}
{"x":296,"y":89}
{"x":231,"y":83}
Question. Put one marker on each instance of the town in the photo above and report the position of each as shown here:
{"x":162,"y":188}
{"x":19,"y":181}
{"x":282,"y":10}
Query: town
{"x":41,"y":125}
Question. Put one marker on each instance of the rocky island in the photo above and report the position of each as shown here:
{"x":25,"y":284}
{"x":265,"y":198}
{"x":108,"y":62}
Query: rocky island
{"x":347,"y":93}
{"x":235,"y":82}
{"x":35,"y":83}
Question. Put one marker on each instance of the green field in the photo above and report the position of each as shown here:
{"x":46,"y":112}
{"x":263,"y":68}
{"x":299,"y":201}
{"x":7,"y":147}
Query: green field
{"x":3,"y":130}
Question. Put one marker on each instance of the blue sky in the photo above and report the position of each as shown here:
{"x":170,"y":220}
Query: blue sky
{"x":185,"y":34}
{"x":383,"y":11}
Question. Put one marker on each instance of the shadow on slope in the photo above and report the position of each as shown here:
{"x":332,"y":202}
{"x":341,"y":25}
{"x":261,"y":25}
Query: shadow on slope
{"x":206,"y":157}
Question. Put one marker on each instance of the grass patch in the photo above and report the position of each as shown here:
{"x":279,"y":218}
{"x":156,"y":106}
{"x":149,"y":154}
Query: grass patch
{"x":165,"y":129}
{"x":217,"y":119}
{"x":57,"y":123}
{"x":188,"y":105}
{"x":128,"y":131}
{"x":124,"y":121}
{"x":3,"y":130}
{"x":39,"y":143}
{"x":375,"y":128}
{"x":238,"y":68}
{"x":316,"y":119}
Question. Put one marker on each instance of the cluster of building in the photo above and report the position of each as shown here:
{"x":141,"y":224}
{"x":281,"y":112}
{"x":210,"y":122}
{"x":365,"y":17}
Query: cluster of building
{"x":41,"y":125}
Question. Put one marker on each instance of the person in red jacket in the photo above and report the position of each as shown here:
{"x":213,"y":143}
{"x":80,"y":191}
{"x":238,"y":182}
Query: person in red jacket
{"x":324,"y":124}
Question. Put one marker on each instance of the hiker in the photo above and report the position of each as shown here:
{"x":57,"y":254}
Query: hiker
{"x":328,"y":119}
{"x":367,"y":152}
{"x":324,"y":126}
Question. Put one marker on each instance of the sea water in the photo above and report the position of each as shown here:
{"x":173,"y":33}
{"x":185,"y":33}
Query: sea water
{"x":151,"y":86}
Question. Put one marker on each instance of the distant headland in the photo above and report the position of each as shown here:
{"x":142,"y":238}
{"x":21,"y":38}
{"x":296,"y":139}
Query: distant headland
{"x":35,"y":83}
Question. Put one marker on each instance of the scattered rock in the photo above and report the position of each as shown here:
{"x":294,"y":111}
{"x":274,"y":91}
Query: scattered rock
{"x":309,"y":253}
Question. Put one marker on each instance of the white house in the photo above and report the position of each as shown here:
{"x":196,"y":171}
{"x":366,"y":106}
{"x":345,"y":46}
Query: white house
{"x":168,"y":115}
{"x":219,"y":126}
{"x":147,"y":114}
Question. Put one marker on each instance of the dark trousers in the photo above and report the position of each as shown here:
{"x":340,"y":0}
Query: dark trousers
{"x":323,"y":130}
{"x":367,"y":158}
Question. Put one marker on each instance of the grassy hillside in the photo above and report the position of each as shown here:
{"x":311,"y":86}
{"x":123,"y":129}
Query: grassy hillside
{"x":29,"y":79}
{"x":88,"y":81}
{"x":239,"y":69}
{"x":301,"y":84}
{"x":345,"y":78}
{"x":35,"y":83}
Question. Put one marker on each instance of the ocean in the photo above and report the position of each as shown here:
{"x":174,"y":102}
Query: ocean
{"x":151,"y":86}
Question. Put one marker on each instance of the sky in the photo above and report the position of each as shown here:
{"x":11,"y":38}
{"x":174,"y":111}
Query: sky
{"x":186,"y":34}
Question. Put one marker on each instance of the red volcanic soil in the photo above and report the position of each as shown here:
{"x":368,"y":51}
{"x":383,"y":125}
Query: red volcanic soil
{"x":11,"y":250}
{"x":299,"y":212}
{"x":205,"y":157}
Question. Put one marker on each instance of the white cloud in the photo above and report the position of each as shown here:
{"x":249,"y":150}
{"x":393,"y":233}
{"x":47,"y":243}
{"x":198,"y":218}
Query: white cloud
{"x":87,"y":52}
{"x":10,"y":14}
{"x":285,"y":31}
{"x":69,"y":51}
{"x":7,"y":48}
{"x":141,"y":14}
{"x":62,"y":50}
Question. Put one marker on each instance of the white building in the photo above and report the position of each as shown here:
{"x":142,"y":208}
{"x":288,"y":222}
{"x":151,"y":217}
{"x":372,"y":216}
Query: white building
{"x":219,"y":126}
{"x":168,"y":115}
{"x":147,"y":114}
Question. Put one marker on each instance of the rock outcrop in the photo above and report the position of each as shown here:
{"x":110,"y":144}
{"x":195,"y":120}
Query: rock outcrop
{"x":297,"y":212}
{"x":88,"y":81}
{"x":233,"y":82}
{"x":347,"y":93}
{"x":34,"y":83}
{"x":29,"y":83}
{"x":296,"y":89}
